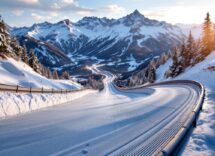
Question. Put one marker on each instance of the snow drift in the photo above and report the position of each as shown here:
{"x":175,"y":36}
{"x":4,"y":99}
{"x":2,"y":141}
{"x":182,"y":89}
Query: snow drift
{"x":19,"y":103}
{"x":14,"y":72}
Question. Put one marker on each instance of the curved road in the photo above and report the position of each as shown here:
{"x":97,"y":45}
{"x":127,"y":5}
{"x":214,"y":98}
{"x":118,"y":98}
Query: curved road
{"x":112,"y":122}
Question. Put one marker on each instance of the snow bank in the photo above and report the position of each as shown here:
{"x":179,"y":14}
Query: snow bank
{"x":14,"y":72}
{"x":19,"y":103}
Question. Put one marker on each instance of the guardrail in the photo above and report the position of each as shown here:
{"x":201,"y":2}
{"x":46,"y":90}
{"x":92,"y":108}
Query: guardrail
{"x":172,"y":147}
{"x":19,"y":89}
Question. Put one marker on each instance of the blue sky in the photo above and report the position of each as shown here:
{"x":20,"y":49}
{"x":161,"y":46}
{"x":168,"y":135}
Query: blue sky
{"x":27,"y":12}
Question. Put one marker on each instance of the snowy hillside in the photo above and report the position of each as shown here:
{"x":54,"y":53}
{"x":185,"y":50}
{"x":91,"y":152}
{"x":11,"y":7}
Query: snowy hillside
{"x":203,"y":72}
{"x":201,"y":142}
{"x":100,"y":40}
{"x":14,"y":72}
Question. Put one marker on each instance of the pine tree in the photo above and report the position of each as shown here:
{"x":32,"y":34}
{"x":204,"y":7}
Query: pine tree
{"x":55,"y":75}
{"x":207,"y":35}
{"x":190,"y":50}
{"x":66,"y":75}
{"x":214,"y":37}
{"x":33,"y":61}
{"x":177,"y":67}
{"x":24,"y":55}
{"x":163,"y":58}
{"x":49,"y":74}
{"x":199,"y":56}
{"x":151,"y":76}
{"x":15,"y":46}
{"x":181,"y":52}
{"x":5,"y":49}
{"x":44,"y":71}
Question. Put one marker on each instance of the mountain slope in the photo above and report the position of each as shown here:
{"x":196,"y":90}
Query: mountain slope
{"x":118,"y":43}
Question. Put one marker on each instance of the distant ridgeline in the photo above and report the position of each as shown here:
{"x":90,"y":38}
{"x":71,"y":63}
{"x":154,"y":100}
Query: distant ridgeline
{"x":121,"y":45}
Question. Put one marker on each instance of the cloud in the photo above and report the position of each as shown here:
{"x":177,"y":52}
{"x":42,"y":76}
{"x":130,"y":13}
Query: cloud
{"x":84,"y":13}
{"x":42,"y":5}
{"x":29,"y":2}
{"x":179,"y":13}
{"x":155,"y":14}
{"x":68,"y":1}
{"x":18,"y":12}
{"x":18,"y":4}
{"x":38,"y":17}
{"x":114,"y":9}
{"x":55,"y":6}
{"x":54,"y":14}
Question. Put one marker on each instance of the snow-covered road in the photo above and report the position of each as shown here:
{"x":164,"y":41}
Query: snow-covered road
{"x":110,"y":122}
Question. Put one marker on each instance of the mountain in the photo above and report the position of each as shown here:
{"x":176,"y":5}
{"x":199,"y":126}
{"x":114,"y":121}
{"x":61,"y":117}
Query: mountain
{"x":121,"y":44}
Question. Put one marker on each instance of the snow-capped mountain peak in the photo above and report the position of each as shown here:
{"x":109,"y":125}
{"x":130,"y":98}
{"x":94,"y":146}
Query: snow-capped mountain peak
{"x":136,"y":15}
{"x":111,"y":41}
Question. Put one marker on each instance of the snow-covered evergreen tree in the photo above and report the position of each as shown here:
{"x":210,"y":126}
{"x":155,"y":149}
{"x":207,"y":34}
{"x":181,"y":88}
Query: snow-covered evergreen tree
{"x":17,"y":49}
{"x":5,"y":49}
{"x":190,"y":50}
{"x":24,"y":55}
{"x":177,"y":67}
{"x":151,"y":77}
{"x":34,"y":62}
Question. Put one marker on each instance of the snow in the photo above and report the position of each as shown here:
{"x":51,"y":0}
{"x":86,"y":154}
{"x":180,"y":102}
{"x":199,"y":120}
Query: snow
{"x":96,"y":124}
{"x":160,"y":72}
{"x":61,"y":31}
{"x":132,"y":63}
{"x":202,"y":139}
{"x":95,"y":28}
{"x":20,"y":103}
{"x":200,"y":72}
{"x":14,"y":72}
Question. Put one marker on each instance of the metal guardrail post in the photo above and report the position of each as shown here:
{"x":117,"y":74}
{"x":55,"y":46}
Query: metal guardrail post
{"x":195,"y":122}
{"x":42,"y":89}
{"x":17,"y":88}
